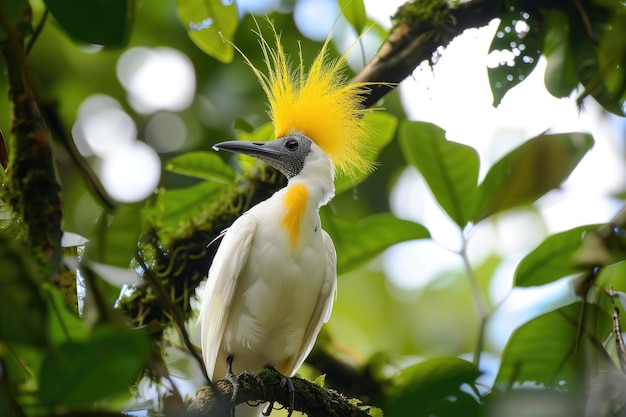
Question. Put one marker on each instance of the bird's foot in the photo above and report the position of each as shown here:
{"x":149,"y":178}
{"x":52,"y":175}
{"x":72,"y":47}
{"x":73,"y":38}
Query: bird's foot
{"x":285,"y":381}
{"x":234,"y":380}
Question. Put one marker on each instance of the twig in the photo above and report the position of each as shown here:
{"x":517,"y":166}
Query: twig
{"x":176,"y":314}
{"x":60,"y":133}
{"x":585,"y":18}
{"x":4,"y":156}
{"x":37,"y":31}
{"x":617,"y":330}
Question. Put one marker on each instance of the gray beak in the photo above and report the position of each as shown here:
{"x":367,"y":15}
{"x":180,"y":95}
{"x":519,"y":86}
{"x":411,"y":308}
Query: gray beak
{"x":286,"y":154}
{"x":261,"y":150}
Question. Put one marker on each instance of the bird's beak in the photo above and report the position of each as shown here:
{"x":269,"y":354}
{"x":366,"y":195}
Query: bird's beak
{"x":278,"y":153}
{"x":271,"y":152}
{"x":263,"y":150}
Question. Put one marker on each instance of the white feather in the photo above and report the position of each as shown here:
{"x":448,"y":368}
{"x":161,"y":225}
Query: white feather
{"x":231,"y":256}
{"x":323,"y":307}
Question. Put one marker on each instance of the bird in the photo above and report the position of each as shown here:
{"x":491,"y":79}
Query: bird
{"x":273,"y":280}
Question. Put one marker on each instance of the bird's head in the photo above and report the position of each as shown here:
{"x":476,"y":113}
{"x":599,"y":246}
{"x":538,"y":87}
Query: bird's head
{"x":286,"y":154}
{"x":316,"y":106}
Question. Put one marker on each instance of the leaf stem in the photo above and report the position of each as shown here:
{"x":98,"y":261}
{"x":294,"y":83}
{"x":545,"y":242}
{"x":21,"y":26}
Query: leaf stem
{"x":177,"y":316}
{"x":479,"y":302}
{"x":37,"y":31}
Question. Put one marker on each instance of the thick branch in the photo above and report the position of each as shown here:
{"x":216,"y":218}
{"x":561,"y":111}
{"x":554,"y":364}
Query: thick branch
{"x":420,"y":29}
{"x":33,"y":190}
{"x":310,"y":398}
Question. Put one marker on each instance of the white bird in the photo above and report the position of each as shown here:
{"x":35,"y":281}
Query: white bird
{"x":272,"y":282}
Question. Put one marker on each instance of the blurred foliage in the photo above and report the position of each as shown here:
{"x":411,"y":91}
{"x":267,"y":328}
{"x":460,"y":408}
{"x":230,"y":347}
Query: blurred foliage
{"x":404,"y":350}
{"x":98,"y":22}
{"x":208,"y":24}
{"x":583,"y":43}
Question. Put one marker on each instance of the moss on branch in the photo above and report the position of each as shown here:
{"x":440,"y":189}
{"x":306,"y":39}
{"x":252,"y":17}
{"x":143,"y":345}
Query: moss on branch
{"x":182,"y":259}
{"x":32,"y":189}
{"x":309,"y":398}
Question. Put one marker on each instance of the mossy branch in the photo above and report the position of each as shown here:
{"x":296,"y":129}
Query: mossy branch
{"x":420,"y":29}
{"x":181,"y":260}
{"x":309,"y":398}
{"x":32,"y":189}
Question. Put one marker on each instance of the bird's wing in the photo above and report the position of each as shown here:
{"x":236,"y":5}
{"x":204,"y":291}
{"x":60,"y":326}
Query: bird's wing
{"x":220,"y":289}
{"x":323,"y":307}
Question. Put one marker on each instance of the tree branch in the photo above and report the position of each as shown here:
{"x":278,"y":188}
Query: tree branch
{"x":61,"y":134}
{"x":420,"y":29}
{"x":4,"y":156}
{"x":181,"y":262}
{"x":310,"y":398}
{"x":32,"y":188}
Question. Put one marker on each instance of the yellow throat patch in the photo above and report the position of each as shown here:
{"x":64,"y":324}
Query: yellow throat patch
{"x":295,"y":201}
{"x":318,"y":104}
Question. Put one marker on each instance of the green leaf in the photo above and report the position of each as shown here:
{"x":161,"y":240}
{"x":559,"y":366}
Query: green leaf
{"x":426,"y":388}
{"x":23,"y":310}
{"x":560,"y":75}
{"x":547,"y":351}
{"x":354,"y":12}
{"x":204,"y":165}
{"x":21,"y":363}
{"x":62,"y":323}
{"x":375,"y":412}
{"x":449,"y":168}
{"x":524,"y":47}
{"x":604,"y":246}
{"x":14,"y":12}
{"x":597,"y":68}
{"x":101,"y":22}
{"x":528,"y":172}
{"x":320,"y":380}
{"x":241,"y":124}
{"x":612,"y":50}
{"x":383,"y":127}
{"x":8,"y":406}
{"x":373,"y":234}
{"x":115,"y":238}
{"x":211,"y":25}
{"x":262,"y":133}
{"x":105,"y":366}
{"x":554,"y":258}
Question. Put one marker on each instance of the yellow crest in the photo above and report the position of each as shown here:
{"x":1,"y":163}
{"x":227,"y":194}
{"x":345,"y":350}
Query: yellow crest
{"x":318,"y":104}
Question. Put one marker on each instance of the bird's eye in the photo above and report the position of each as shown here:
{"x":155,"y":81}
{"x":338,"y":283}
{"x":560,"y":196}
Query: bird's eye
{"x":291,"y":144}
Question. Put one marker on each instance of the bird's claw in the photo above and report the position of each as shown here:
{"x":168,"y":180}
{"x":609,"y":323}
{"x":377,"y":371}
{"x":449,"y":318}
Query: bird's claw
{"x":234,"y":380}
{"x":285,"y":381}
